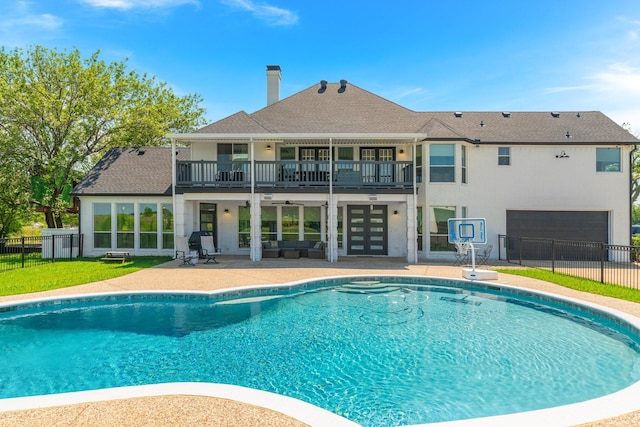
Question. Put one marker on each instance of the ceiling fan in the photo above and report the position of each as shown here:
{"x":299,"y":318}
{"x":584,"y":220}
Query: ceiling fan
{"x":287,"y":202}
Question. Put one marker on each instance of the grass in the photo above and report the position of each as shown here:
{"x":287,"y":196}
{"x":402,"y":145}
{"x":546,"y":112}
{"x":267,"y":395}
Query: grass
{"x":64,"y":273}
{"x":579,"y":284}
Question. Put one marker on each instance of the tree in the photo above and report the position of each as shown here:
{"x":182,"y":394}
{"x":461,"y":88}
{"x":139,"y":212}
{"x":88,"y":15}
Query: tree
{"x":635,"y":168}
{"x":15,"y":206}
{"x":60,"y":112}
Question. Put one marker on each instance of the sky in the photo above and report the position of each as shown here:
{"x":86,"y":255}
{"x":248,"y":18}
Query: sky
{"x":426,"y":55}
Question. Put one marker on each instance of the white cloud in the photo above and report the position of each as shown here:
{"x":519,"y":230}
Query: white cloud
{"x":619,"y":79}
{"x":135,"y":4}
{"x":45,"y":21}
{"x":270,"y":14}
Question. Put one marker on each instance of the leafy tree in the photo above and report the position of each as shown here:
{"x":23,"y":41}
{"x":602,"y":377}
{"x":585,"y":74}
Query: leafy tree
{"x":15,"y":206}
{"x":635,"y":171}
{"x":59,"y":113}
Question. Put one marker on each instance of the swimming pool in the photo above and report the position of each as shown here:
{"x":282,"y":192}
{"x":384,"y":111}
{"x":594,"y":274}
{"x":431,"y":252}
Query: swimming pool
{"x":377,"y":350}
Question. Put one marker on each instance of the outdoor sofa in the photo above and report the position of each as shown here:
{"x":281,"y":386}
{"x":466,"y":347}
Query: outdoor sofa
{"x":293,"y":249}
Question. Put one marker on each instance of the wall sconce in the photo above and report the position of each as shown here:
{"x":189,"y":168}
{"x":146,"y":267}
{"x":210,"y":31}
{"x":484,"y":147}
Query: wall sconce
{"x":373,"y":197}
{"x":226,"y":211}
{"x":401,"y":151}
{"x":562,"y":155}
{"x":395,"y":212}
{"x":268,"y":148}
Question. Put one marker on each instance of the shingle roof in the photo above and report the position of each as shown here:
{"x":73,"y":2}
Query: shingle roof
{"x":355,"y":110}
{"x":589,"y":127}
{"x":131,"y":171}
{"x":352,"y":110}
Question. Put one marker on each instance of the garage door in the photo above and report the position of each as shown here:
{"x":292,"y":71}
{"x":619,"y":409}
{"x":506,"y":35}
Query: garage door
{"x":563,"y":225}
{"x":585,"y":226}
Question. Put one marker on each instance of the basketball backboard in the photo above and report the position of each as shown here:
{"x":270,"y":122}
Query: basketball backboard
{"x":471,"y":230}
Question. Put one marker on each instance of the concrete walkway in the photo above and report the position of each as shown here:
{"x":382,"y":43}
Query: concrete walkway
{"x":233,"y":272}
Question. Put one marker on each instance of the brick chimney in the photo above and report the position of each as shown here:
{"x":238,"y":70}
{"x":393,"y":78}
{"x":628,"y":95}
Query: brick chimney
{"x":273,"y":83}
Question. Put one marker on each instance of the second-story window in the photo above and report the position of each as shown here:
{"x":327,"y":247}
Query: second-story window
{"x":441,"y":163}
{"x":233,"y":157}
{"x":608,"y":159}
{"x":504,"y":156}
{"x":463,"y":163}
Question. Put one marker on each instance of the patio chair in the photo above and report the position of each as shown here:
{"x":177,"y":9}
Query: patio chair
{"x":462,"y":258}
{"x":483,"y":257}
{"x":187,"y":258}
{"x":208,"y":249}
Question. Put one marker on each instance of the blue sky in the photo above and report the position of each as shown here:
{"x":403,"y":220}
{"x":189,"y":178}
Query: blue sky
{"x":463,"y":55}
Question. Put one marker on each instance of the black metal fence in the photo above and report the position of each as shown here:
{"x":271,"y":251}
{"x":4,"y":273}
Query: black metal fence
{"x":28,"y":251}
{"x":601,"y":262}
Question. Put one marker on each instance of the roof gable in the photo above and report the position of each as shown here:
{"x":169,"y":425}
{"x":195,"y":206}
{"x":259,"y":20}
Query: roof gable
{"x":239,"y":122}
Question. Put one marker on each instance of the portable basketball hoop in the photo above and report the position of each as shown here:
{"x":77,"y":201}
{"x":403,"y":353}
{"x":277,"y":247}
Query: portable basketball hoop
{"x":463,"y":233}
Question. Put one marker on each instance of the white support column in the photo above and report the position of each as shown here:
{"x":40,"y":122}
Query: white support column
{"x":332,"y":213}
{"x":179,"y":226}
{"x":256,"y":228}
{"x":412,"y":230}
{"x":412,"y":209}
{"x":173,"y":196}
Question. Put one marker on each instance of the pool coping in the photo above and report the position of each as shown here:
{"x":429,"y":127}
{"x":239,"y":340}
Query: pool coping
{"x":608,"y":406}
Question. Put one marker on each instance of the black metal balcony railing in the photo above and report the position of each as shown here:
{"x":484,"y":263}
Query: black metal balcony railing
{"x":295,"y":174}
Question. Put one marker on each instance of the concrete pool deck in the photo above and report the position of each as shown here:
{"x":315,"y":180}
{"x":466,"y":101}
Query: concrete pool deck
{"x":231,"y":272}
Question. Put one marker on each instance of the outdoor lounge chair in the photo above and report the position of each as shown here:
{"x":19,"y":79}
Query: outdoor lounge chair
{"x":208,"y":249}
{"x":187,"y":258}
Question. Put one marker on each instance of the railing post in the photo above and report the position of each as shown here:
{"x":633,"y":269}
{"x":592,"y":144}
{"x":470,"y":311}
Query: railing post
{"x":601,"y":262}
{"x":520,"y":250}
{"x":53,"y":248}
{"x":553,"y":255}
{"x":22,"y":250}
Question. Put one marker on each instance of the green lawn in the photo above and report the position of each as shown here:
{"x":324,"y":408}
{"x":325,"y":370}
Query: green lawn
{"x":609,"y":290}
{"x":62,"y":274}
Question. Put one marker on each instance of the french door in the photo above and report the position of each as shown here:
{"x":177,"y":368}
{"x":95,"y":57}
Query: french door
{"x":367,"y":230}
{"x":378,"y":166}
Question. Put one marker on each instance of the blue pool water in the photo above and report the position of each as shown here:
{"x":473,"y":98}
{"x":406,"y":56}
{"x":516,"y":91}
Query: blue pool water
{"x":406,"y":352}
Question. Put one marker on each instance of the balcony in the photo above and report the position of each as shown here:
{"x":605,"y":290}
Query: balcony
{"x":291,"y":176}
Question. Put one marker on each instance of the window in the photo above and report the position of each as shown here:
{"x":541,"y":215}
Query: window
{"x":439,"y":227}
{"x":233,"y":157}
{"x":148,"y":225}
{"x":441,"y":163}
{"x":167,"y":226}
{"x":608,"y":159}
{"x":418,"y":163}
{"x":504,"y":156}
{"x":269,"y":223}
{"x":463,"y":163}
{"x":125,"y":225}
{"x":244,"y":227}
{"x":290,"y":222}
{"x":345,"y":158}
{"x":419,"y":224}
{"x":312,"y":224}
{"x":102,"y":225}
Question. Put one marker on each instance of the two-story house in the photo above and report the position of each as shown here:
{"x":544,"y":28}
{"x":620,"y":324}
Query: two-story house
{"x":338,"y":164}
